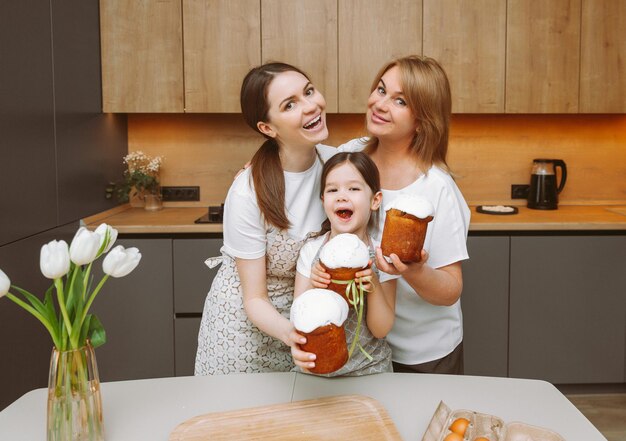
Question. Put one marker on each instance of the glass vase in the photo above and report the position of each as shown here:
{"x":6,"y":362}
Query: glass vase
{"x":152,"y":201}
{"x":74,"y":402}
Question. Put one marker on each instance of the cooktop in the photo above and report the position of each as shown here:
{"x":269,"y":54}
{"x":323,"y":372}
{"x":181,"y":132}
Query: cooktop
{"x":214,"y":215}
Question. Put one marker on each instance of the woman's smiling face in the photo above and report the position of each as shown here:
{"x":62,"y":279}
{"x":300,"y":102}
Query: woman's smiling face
{"x":388,"y":115}
{"x":296,"y":113}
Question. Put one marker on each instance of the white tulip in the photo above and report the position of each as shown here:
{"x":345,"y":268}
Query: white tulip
{"x":120,"y":262}
{"x":5,"y":284}
{"x":54,"y":259}
{"x":102,"y":231}
{"x":85,"y":246}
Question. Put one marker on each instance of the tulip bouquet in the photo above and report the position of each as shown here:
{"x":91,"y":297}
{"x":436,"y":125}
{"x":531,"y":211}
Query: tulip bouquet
{"x":64,"y":310}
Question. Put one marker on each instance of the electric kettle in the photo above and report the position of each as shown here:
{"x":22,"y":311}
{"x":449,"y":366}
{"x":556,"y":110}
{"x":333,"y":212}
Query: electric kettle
{"x":544,"y":192}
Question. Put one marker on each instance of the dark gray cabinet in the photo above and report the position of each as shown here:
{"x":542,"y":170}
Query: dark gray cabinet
{"x":137,"y":312}
{"x":26,"y":345}
{"x":57,"y":154}
{"x":192,"y":282}
{"x":568,"y":308}
{"x":58,"y":151}
{"x":186,"y":344}
{"x":90,"y":145}
{"x":485,"y":305}
{"x":27,"y":156}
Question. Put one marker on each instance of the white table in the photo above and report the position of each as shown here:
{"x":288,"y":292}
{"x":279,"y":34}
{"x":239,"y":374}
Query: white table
{"x":150,"y":409}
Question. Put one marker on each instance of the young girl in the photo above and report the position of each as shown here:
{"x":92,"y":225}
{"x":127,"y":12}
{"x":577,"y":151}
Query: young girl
{"x":350,"y":193}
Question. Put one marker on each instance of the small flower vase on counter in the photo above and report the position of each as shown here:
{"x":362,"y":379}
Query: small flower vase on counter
{"x":152,"y":200}
{"x":74,"y":402}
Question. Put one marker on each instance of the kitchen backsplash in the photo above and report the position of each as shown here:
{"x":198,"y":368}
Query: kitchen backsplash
{"x":487,"y":153}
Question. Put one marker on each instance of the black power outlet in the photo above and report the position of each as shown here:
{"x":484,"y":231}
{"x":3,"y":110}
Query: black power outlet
{"x":519,"y":191}
{"x":180,"y":194}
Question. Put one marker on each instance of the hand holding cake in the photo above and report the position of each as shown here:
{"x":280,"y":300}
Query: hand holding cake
{"x":405,"y":227}
{"x":342,"y":257}
{"x":319,"y":315}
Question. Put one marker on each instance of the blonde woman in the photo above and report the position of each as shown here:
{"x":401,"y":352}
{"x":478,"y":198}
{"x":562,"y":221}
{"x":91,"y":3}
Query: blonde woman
{"x":408,"y":119}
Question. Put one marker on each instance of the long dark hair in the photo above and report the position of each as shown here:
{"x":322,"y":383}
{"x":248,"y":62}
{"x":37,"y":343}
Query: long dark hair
{"x":366,"y":168}
{"x":267,"y":171}
{"x":427,"y":92}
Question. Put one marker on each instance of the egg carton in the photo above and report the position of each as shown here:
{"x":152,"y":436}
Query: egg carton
{"x":484,"y":427}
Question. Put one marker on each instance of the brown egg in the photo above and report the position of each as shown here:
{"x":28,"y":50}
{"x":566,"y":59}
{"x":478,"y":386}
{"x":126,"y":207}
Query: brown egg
{"x":481,"y":438}
{"x":459,"y":426}
{"x":453,"y":437}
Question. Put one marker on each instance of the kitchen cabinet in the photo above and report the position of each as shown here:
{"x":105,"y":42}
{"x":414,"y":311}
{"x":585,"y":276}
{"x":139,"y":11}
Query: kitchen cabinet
{"x":542,"y":56}
{"x":485,"y":306}
{"x":222,"y":42}
{"x":304,"y":34}
{"x":567,"y":308}
{"x":138,"y":315}
{"x":26,"y":345}
{"x":142,"y":63}
{"x":371,"y":34}
{"x":470,"y":44}
{"x":501,"y":56}
{"x":603,"y":57}
{"x":89,"y":145}
{"x":27,"y":151}
{"x":192,"y":282}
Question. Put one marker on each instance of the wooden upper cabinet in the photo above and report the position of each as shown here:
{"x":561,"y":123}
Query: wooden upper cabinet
{"x":469,"y":39}
{"x":603,"y":57}
{"x":142,"y":63}
{"x":371,"y":33}
{"x":304,"y":34}
{"x":543,"y":56}
{"x":222,"y":43}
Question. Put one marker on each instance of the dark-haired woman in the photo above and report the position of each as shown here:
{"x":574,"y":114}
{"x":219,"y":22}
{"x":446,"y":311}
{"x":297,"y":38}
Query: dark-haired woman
{"x":269,"y":211}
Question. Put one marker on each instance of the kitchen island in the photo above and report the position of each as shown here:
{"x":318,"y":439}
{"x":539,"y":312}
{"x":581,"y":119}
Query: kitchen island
{"x":151,"y":409}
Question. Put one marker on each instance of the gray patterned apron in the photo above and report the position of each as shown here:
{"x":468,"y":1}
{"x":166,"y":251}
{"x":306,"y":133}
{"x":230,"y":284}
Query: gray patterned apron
{"x":378,"y":348}
{"x":227,"y":341}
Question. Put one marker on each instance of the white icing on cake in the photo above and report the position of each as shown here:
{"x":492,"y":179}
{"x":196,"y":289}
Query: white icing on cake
{"x":415,"y":205}
{"x":345,"y":251}
{"x":316,"y":308}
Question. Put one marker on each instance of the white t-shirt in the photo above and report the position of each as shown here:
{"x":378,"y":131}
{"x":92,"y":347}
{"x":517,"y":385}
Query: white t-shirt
{"x":309,"y":252}
{"x":245,"y":229}
{"x":424,"y":332}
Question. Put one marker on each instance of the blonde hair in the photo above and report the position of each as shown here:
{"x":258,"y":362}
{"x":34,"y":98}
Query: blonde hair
{"x":427,"y":93}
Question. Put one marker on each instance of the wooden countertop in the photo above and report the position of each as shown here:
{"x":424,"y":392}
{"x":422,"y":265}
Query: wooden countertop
{"x":128,"y":220}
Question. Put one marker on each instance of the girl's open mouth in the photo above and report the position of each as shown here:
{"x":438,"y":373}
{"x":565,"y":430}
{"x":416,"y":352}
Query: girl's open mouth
{"x":344,"y":214}
{"x":314,"y":123}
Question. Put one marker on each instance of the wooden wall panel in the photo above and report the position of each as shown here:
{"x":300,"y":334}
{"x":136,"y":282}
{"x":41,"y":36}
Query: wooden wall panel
{"x":304,"y":33}
{"x":488,"y":153}
{"x":222,"y":43}
{"x":470,"y":45}
{"x":142,"y":63}
{"x":542,"y":56}
{"x":366,"y":43}
{"x":603,"y":57}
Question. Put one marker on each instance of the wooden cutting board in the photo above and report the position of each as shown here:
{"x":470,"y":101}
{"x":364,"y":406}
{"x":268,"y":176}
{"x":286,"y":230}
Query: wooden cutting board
{"x":349,"y":417}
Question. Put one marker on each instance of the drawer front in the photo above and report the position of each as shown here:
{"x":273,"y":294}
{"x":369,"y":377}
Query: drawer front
{"x":192,"y":278}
